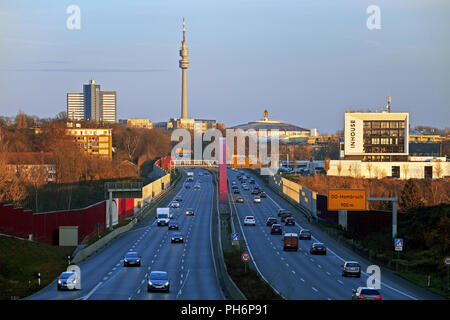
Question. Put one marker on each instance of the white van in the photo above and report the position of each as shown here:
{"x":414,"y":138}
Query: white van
{"x":163,"y":216}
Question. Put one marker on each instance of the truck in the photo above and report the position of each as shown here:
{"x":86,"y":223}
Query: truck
{"x":290,"y":241}
{"x":190,"y":176}
{"x":162,"y":216}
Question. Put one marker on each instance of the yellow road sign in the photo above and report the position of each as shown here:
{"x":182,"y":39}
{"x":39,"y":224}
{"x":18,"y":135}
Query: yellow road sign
{"x":347,"y":199}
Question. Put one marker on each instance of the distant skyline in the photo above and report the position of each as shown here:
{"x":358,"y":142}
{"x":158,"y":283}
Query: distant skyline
{"x":306,"y":62}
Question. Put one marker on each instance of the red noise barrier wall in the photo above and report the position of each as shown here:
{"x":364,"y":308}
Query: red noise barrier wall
{"x":45,"y":226}
{"x":125,"y":208}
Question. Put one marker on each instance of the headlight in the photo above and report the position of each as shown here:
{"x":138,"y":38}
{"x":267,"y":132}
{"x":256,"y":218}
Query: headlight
{"x":167,"y":283}
{"x":173,"y":239}
{"x":74,"y":281}
{"x":59,"y":281}
{"x":125,"y":260}
{"x":181,"y":238}
{"x":150,"y":283}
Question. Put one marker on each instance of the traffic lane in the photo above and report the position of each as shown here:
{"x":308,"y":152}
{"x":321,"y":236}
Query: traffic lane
{"x":311,"y":269}
{"x":394,"y":286}
{"x":201,"y":281}
{"x":126,"y":285}
{"x":271,"y":262}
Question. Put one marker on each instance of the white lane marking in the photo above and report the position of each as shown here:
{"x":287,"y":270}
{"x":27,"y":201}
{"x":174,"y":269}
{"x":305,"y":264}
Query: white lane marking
{"x":315,"y":289}
{"x":142,"y":281}
{"x":287,"y":265}
{"x":105,"y":278}
{"x":303,"y":280}
{"x":92,"y":291}
{"x":340,"y":282}
{"x":319,"y":266}
{"x":293,"y":271}
{"x":282,"y":258}
{"x":114,"y":268}
{"x":343,"y":260}
{"x":109,"y":273}
{"x":278,"y":252}
{"x":139,"y":291}
{"x":328,"y":273}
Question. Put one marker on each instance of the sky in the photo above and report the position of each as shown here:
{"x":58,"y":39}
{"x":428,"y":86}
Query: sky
{"x":305,"y":61}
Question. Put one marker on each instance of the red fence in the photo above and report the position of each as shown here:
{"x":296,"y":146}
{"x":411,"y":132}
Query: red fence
{"x":45,"y":226}
{"x":359,"y":223}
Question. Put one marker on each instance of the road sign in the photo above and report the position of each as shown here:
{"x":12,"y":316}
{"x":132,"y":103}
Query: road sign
{"x":447,"y":261}
{"x":245,"y":257}
{"x":398,"y":244}
{"x":235,"y":239}
{"x":346,"y":199}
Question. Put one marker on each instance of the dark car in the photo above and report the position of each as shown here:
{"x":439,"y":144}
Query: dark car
{"x":304,"y":234}
{"x":270,"y":221}
{"x":252,"y":181}
{"x":351,"y":268}
{"x":239,"y":200}
{"x":285,"y":215}
{"x":364,"y":293}
{"x":255,"y":191}
{"x":262,"y":194}
{"x":318,"y":248}
{"x":281,"y":211}
{"x":69,"y":281}
{"x":276,"y":229}
{"x":173,"y":225}
{"x":236,"y":191}
{"x":132,"y":259}
{"x":190,"y":212}
{"x":177,"y":237}
{"x":290,"y":221}
{"x":234,"y":187}
{"x":178,"y":199}
{"x":187,"y":186}
{"x":159,"y":281}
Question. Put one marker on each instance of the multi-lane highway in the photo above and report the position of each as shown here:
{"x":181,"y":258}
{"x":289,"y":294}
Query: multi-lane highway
{"x":190,"y":265}
{"x":300,"y":275}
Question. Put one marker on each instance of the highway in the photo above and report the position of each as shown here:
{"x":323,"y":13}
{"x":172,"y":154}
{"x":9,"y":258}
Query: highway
{"x":190,"y":265}
{"x":300,"y":275}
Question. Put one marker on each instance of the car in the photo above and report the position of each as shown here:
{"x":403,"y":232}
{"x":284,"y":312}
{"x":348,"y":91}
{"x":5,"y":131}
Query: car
{"x":200,"y":174}
{"x":190,"y":179}
{"x":249,"y":221}
{"x":197,"y":187}
{"x":177,"y":237}
{"x":158,"y":281}
{"x":173,"y":225}
{"x":366,"y":293}
{"x":257,"y":199}
{"x":233,"y":183}
{"x":190,"y":212}
{"x":132,"y":259}
{"x":285,"y":215}
{"x":234,"y":187}
{"x":318,"y":248}
{"x":262,"y":194}
{"x":304,"y":234}
{"x":270,"y":221}
{"x":68,"y":281}
{"x":236,"y":191}
{"x":255,"y":191}
{"x":239,"y":200}
{"x":276,"y":229}
{"x":175,"y":204}
{"x":281,"y":211}
{"x":245,"y":187}
{"x":252,"y":181}
{"x":187,"y":186}
{"x":178,"y":199}
{"x":351,"y":268}
{"x":289,"y":221}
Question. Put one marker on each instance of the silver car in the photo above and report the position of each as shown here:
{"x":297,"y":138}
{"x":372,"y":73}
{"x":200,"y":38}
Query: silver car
{"x":69,"y":281}
{"x":365,"y":293}
{"x":351,"y":268}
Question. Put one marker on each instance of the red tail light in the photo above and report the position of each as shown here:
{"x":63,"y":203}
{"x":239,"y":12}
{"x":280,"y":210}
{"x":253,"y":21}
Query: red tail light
{"x":361,"y":297}
{"x":345,"y":267}
{"x":378,"y":298}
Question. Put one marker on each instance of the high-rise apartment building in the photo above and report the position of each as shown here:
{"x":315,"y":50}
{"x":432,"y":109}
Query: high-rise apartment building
{"x":92,"y":104}
{"x":75,"y":106}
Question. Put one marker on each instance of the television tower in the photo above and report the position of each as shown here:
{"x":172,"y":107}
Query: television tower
{"x":184,"y":64}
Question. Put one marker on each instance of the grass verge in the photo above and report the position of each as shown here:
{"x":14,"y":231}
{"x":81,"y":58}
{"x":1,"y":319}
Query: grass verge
{"x":21,"y":260}
{"x":248,"y":281}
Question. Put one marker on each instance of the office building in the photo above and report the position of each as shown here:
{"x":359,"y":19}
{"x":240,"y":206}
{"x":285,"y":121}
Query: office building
{"x":93,"y":141}
{"x":92,"y":104}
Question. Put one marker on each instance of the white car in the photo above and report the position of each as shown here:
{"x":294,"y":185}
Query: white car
{"x":175,"y":204}
{"x":257,"y":199}
{"x":249,"y":221}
